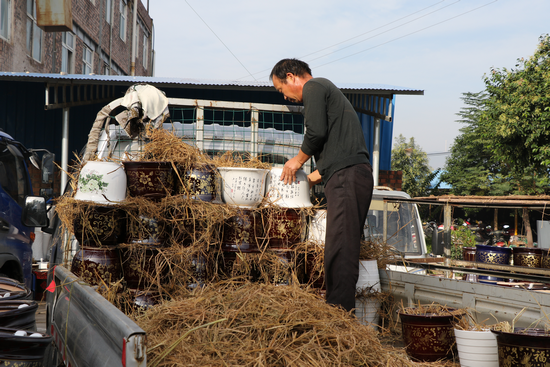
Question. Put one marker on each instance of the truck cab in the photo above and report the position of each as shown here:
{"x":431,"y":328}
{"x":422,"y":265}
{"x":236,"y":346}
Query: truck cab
{"x":20,"y":212}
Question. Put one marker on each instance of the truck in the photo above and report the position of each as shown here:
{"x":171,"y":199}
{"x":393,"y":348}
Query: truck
{"x":76,"y":313}
{"x":20,"y":211}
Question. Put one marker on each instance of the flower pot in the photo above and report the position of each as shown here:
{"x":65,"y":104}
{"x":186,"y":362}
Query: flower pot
{"x":152,"y":180}
{"x":523,"y":347}
{"x":476,"y":348}
{"x":243,"y":187}
{"x":147,"y":231}
{"x":428,"y":337}
{"x":293,"y":195}
{"x":285,"y":227}
{"x":243,"y":232}
{"x":317,"y":226}
{"x":493,"y":254}
{"x":97,"y":265}
{"x":101,"y":182}
{"x":199,"y":183}
{"x":530,"y":257}
{"x":140,"y":266}
{"x":469,"y":253}
{"x":99,"y":226}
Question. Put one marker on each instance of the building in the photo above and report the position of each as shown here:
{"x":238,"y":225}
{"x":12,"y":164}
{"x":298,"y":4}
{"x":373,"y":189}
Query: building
{"x":98,"y":37}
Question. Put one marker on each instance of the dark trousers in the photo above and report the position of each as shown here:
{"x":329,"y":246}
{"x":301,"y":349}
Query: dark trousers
{"x":348,"y":193}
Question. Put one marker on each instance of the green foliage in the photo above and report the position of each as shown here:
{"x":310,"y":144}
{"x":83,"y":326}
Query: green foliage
{"x":461,"y":237}
{"x":412,"y":161}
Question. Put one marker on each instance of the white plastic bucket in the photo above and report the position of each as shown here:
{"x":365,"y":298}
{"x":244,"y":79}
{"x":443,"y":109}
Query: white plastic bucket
{"x":476,"y":348}
{"x":243,"y":187}
{"x":293,"y":195}
{"x":101,"y":182}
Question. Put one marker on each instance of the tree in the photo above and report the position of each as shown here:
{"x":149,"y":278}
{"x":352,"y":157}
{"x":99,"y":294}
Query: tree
{"x":412,"y":161}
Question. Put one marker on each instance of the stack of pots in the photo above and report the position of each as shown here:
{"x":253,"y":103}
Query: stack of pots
{"x":285,"y":219}
{"x":243,"y":233}
{"x":100,"y":228}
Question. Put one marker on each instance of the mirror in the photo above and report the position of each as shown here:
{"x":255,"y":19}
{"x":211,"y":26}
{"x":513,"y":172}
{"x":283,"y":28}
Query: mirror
{"x":47,"y":167}
{"x":34,"y":212}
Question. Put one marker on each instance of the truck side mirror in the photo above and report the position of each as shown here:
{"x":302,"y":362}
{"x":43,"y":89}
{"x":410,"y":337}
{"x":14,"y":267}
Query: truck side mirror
{"x":34,"y":212}
{"x":47,"y":167}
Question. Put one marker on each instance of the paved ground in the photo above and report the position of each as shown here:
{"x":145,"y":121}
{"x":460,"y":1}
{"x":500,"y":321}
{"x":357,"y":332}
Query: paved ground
{"x":41,"y":317}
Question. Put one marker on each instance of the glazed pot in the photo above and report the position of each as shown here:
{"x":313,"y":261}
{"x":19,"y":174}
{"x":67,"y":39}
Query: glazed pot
{"x":243,"y":232}
{"x":545,"y":263}
{"x":469,"y":253}
{"x":314,"y":271}
{"x":147,"y":231}
{"x":285,"y":227}
{"x":23,"y":350}
{"x":142,"y":299}
{"x":283,"y":266}
{"x":152,"y":180}
{"x":237,"y":264}
{"x":530,"y":257}
{"x":493,"y":254}
{"x":141,"y":266}
{"x":428,"y":337}
{"x":199,"y":183}
{"x":523,"y":347}
{"x":292,"y":195}
{"x":100,"y":226}
{"x":97,"y":265}
{"x":101,"y":182}
{"x":243,"y":187}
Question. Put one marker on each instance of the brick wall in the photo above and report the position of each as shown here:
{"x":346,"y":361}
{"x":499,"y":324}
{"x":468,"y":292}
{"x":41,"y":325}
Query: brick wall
{"x":391,"y":179}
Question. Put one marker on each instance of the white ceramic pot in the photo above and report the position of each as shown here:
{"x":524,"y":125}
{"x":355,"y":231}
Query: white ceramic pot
{"x":293,"y":195}
{"x":366,"y":308}
{"x":476,"y":348}
{"x":101,"y":182}
{"x":243,"y":187}
{"x":317,"y":228}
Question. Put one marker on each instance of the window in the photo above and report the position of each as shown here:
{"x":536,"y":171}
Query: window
{"x":5,"y":7}
{"x":123,"y":16}
{"x":34,"y":34}
{"x":108,"y":10}
{"x":67,"y":53}
{"x":87,"y":60}
{"x":106,"y":70}
{"x":145,"y":50}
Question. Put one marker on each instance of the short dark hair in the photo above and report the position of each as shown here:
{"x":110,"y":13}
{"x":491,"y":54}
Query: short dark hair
{"x":294,"y":66}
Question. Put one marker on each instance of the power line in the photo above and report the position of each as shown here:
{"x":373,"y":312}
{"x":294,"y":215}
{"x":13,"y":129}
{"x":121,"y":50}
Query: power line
{"x":228,"y":49}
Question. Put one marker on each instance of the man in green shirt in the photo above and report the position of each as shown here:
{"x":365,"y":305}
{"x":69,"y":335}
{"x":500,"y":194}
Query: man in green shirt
{"x":335,"y":139}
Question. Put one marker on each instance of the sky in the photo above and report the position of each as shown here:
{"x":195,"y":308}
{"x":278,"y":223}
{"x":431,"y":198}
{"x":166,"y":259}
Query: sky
{"x":443,"y":47}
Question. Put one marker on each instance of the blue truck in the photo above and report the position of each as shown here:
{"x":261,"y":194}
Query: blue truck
{"x":20,"y":211}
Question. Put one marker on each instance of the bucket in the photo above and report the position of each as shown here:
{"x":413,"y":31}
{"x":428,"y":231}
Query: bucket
{"x":476,"y":348}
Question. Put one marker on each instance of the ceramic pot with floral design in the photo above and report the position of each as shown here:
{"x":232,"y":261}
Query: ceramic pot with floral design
{"x":493,"y":254}
{"x":199,"y":183}
{"x":530,"y":257}
{"x":97,"y":265}
{"x":101,"y":182}
{"x":153,"y":180}
{"x":285,"y":227}
{"x":523,"y":347}
{"x":100,"y":226}
{"x":243,"y":232}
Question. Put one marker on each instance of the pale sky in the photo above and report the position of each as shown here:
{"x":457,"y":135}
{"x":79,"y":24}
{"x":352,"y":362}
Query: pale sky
{"x":443,"y":47}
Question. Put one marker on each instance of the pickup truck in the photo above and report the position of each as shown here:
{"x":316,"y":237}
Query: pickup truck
{"x":20,"y":212}
{"x":90,"y":331}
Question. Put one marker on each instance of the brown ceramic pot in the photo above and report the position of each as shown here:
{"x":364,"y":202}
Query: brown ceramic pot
{"x":530,"y":257}
{"x":285,"y":227}
{"x":243,"y":232}
{"x":97,"y":265}
{"x":147,"y":231}
{"x":140,"y":266}
{"x":100,"y":226}
{"x":199,"y":183}
{"x":523,"y":347}
{"x":469,"y":253}
{"x":153,"y":180}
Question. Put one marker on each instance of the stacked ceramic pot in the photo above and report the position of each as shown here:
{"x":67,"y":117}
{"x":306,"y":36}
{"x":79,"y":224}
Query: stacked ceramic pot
{"x":285,"y":220}
{"x":243,"y":233}
{"x":100,"y":225}
{"x":492,"y":255}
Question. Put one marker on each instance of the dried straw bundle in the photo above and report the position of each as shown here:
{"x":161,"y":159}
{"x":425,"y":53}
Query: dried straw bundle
{"x":246,"y":324}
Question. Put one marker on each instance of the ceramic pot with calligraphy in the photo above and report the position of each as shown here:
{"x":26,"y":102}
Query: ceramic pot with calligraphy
{"x":99,"y":226}
{"x":292,"y":195}
{"x":153,"y":180}
{"x":493,"y":254}
{"x":243,"y":232}
{"x":523,"y":347}
{"x":428,"y":337}
{"x":285,"y":227}
{"x":243,"y":187}
{"x":199,"y":183}
{"x":97,"y":265}
{"x":530,"y":257}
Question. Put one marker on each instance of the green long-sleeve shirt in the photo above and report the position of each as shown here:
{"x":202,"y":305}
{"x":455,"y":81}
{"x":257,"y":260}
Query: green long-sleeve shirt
{"x":333,"y":130}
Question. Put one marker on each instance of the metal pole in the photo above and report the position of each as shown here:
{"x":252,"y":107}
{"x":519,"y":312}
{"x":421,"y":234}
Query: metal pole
{"x":447,"y":231}
{"x":65,"y":149}
{"x":376,"y":152}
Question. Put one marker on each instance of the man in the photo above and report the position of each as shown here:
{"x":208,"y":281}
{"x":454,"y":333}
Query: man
{"x":335,"y":139}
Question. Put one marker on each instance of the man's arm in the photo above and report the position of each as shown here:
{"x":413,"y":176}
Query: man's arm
{"x":314,"y":178}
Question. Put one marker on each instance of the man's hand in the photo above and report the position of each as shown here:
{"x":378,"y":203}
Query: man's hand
{"x":289,"y":170}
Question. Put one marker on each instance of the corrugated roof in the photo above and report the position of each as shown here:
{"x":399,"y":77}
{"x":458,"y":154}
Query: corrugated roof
{"x":190,"y":82}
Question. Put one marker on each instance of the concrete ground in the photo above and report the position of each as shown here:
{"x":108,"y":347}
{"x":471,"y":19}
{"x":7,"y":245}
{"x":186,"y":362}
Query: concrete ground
{"x":41,"y":318}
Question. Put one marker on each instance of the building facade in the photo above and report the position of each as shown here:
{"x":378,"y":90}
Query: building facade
{"x":101,"y":41}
